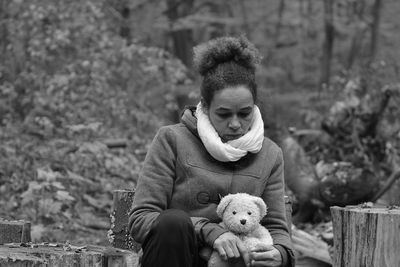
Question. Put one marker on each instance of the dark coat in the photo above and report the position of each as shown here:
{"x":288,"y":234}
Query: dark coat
{"x":179,"y":173}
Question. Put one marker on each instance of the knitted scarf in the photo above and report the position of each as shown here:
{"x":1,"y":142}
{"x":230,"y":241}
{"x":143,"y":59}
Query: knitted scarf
{"x":235,"y":149}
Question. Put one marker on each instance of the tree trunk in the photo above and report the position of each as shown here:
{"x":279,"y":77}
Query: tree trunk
{"x":182,"y":39}
{"x":356,"y":44}
{"x":366,"y":236}
{"x":279,"y":22}
{"x":14,"y":231}
{"x":376,"y":14}
{"x":119,"y":236}
{"x":356,"y":9}
{"x":328,"y":42}
{"x":245,"y":24}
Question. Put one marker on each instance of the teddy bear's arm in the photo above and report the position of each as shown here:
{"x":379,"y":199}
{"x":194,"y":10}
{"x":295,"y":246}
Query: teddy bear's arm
{"x":262,"y":234}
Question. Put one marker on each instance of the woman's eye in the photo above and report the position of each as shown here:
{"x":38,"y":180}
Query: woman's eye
{"x":233,"y":212}
{"x":249,"y":213}
{"x":224,"y":115}
{"x":244,"y":114}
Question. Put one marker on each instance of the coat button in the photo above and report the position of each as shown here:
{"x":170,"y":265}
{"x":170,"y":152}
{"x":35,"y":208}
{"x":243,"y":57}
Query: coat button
{"x":203,"y":198}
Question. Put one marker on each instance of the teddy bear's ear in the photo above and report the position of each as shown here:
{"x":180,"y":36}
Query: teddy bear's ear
{"x":261,"y":206}
{"x":223,"y":204}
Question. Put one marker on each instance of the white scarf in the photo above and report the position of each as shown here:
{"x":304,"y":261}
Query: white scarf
{"x":235,"y":149}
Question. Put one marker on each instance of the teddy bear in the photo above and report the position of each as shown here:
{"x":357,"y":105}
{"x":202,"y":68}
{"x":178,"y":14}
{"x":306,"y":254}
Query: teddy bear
{"x":241,"y":214}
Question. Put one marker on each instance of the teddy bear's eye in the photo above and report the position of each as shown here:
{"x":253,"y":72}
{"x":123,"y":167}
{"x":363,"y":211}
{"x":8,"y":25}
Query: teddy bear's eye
{"x":233,"y":212}
{"x":249,"y":212}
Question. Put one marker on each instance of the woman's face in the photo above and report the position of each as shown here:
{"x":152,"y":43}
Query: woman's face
{"x":231,"y":112}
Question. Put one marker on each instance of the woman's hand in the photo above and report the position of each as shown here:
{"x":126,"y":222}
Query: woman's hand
{"x":230,"y":247}
{"x":264,"y":255}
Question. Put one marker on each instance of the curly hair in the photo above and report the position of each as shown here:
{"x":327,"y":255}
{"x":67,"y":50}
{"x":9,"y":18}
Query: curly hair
{"x":226,"y":62}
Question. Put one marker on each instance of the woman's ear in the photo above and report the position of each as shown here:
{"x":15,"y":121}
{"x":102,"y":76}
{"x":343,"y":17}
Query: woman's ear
{"x":261,"y":206}
{"x":224,"y":204}
{"x":204,"y":104}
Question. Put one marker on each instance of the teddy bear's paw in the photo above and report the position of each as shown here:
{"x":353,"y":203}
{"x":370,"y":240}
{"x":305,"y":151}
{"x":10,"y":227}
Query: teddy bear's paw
{"x":216,"y":261}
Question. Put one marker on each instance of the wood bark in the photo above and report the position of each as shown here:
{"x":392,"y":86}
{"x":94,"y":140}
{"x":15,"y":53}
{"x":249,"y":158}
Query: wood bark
{"x":366,"y":236}
{"x":14,"y":231}
{"x":119,"y":236}
{"x":15,"y":255}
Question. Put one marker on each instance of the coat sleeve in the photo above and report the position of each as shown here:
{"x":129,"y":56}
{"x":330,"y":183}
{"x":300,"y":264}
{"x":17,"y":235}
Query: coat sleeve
{"x":275,"y":220}
{"x":154,"y":191}
{"x":155,"y":184}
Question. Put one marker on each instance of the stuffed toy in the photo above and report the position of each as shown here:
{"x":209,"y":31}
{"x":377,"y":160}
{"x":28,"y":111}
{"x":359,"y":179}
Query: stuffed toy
{"x":241,"y":214}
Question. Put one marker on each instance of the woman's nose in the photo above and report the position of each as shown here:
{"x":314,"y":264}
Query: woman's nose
{"x":234,"y":124}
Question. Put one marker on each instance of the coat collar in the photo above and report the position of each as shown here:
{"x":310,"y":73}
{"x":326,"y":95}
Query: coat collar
{"x":189,"y":119}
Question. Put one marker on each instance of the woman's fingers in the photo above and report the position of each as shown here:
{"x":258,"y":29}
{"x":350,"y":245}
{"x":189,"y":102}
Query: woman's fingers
{"x":266,"y":258}
{"x":244,"y":253}
{"x":230,"y":246}
{"x":221,"y":252}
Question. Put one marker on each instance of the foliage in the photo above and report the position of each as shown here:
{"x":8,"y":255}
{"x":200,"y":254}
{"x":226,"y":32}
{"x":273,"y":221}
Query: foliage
{"x":355,"y":146}
{"x":68,"y":83}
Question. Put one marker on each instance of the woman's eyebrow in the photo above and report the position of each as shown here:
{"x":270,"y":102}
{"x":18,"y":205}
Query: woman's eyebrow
{"x":248,"y":108}
{"x":223,"y":109}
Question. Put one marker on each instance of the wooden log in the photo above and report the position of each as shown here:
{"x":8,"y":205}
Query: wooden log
{"x":118,"y":235}
{"x":310,"y":248}
{"x":302,"y":261}
{"x":14,"y":231}
{"x":40,"y":255}
{"x":366,"y":236}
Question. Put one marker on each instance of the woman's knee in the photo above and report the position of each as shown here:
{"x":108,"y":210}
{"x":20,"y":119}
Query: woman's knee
{"x":173,"y":219}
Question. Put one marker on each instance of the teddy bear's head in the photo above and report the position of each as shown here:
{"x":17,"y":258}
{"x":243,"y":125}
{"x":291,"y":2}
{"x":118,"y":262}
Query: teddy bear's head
{"x":241,"y":212}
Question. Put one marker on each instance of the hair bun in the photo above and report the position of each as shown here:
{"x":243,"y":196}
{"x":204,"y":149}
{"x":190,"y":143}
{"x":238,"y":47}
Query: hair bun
{"x":224,"y":49}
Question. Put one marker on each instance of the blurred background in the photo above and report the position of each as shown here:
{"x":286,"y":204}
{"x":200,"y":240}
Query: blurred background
{"x":84,"y":86}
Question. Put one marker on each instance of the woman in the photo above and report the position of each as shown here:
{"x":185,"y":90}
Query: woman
{"x":218,"y":148}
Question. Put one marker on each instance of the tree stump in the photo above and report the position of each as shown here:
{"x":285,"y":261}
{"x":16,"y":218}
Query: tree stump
{"x":366,"y":236}
{"x":14,"y":231}
{"x":47,"y":255}
{"x":119,"y":236}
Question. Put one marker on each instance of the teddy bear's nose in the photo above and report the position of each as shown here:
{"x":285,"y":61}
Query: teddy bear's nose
{"x":243,"y":221}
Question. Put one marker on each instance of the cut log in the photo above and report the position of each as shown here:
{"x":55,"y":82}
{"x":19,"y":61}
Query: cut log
{"x":310,"y":247}
{"x":366,"y":236}
{"x":14,"y":231}
{"x":302,"y":261}
{"x":38,"y":255}
{"x":119,"y":236}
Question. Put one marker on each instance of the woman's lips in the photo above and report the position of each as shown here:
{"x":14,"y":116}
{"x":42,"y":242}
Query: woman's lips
{"x":229,"y":137}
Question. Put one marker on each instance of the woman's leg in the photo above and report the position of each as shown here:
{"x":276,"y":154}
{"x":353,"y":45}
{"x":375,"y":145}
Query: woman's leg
{"x":171,"y":241}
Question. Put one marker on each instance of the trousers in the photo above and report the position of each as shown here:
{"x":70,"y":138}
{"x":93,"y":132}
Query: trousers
{"x":172,"y":242}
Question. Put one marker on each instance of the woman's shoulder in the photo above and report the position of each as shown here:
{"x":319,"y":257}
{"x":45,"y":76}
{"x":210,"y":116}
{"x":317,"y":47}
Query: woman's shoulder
{"x":173,"y":130}
{"x":271,"y":145}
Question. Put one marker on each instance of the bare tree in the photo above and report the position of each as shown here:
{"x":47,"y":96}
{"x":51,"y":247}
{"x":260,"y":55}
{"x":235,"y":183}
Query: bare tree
{"x":376,"y":11}
{"x":182,"y":38}
{"x":357,"y":10}
{"x":328,"y":42}
{"x":278,"y":27}
{"x":245,"y":24}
